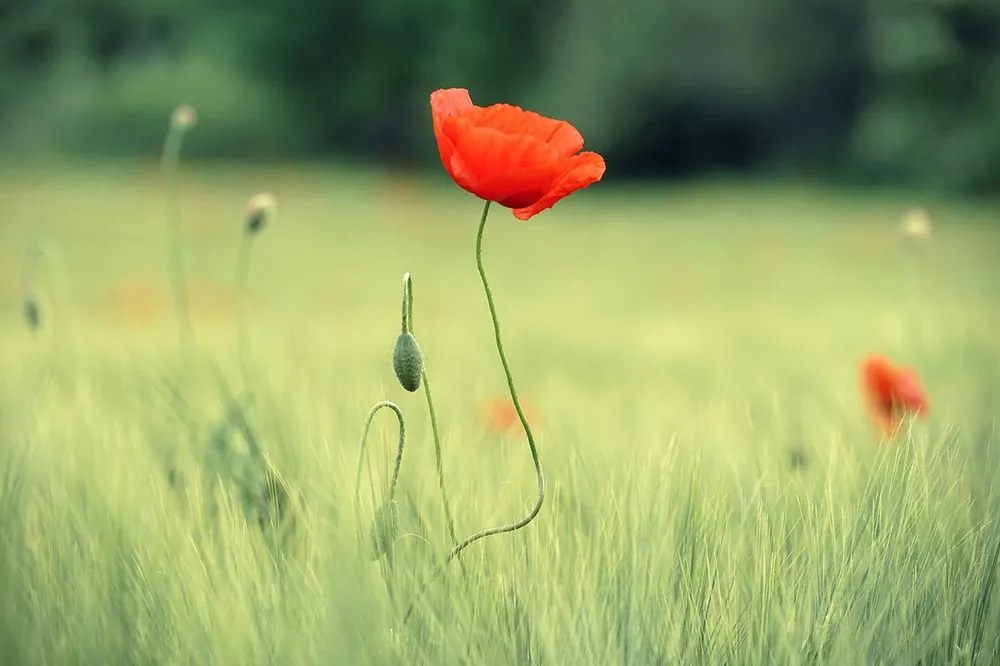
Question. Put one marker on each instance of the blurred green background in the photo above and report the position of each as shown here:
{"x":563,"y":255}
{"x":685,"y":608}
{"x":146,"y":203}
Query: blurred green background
{"x":901,"y":91}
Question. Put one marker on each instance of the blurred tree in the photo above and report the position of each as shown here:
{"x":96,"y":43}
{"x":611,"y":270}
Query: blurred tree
{"x":671,"y":87}
{"x":884,"y":89}
{"x":934,"y":112}
{"x":359,"y":73}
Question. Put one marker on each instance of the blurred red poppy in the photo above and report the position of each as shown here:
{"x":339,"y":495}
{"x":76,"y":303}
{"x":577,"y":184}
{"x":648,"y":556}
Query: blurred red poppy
{"x":891,"y":393}
{"x":501,"y":417}
{"x":505,"y":154}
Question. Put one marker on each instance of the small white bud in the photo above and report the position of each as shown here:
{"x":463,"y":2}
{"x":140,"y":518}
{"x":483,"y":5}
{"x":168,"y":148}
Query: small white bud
{"x":260,"y":207}
{"x":917,"y":224}
{"x":183,"y":118}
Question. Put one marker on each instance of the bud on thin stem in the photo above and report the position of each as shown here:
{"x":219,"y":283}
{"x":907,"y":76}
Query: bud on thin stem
{"x":407,"y":359}
{"x":182,"y":119}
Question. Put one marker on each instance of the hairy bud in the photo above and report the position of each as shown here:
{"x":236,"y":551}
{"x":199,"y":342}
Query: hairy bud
{"x":408,"y":361}
{"x":385,"y":528}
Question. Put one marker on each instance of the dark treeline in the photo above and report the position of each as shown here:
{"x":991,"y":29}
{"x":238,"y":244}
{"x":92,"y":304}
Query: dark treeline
{"x":895,"y":90}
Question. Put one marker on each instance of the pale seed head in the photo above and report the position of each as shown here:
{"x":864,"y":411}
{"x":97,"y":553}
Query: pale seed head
{"x":183,"y":118}
{"x":917,"y":224}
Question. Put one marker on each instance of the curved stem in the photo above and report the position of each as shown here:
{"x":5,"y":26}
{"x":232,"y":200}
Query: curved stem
{"x":243,"y":302}
{"x":540,"y":477}
{"x":385,"y":404}
{"x":171,"y":165}
{"x":407,"y":325}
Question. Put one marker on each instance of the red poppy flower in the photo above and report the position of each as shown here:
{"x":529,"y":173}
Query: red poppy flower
{"x":505,"y":154}
{"x":890,"y":393}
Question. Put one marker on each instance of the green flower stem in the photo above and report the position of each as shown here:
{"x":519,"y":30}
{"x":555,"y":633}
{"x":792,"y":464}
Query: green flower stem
{"x":243,"y":302}
{"x":407,"y":326}
{"x":517,"y":406}
{"x":438,"y":459}
{"x":512,"y":527}
{"x":171,"y":167}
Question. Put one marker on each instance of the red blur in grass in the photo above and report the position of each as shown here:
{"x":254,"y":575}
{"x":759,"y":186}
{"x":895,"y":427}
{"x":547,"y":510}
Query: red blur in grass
{"x":502,"y":153}
{"x":501,"y":417}
{"x":890,"y":393}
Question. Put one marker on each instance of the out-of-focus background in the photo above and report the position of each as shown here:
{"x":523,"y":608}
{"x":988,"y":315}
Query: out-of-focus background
{"x":906,"y":91}
{"x":792,"y":185}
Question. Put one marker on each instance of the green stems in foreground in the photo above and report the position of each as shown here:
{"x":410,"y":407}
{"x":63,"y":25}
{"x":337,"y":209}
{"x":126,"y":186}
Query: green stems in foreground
{"x":258,"y":210}
{"x":407,"y":326}
{"x":242,"y":303}
{"x":386,"y":522}
{"x":183,"y":119}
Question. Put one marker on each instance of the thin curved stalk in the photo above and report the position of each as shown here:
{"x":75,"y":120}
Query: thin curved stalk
{"x":171,"y":166}
{"x":243,"y":303}
{"x":385,"y":404}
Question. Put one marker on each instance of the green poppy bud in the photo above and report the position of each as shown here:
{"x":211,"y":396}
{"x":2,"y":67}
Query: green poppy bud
{"x":385,"y":528}
{"x":408,"y":362}
{"x":32,"y":313}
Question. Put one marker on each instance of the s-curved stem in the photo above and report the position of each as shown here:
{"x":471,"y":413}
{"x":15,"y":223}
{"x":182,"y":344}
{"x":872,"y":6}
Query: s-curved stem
{"x":539,"y":476}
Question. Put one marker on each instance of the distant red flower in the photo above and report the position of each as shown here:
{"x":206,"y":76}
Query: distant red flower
{"x":890,"y":393}
{"x":505,"y":154}
{"x":501,"y":417}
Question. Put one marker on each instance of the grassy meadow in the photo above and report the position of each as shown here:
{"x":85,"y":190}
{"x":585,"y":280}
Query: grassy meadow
{"x":716,"y":492}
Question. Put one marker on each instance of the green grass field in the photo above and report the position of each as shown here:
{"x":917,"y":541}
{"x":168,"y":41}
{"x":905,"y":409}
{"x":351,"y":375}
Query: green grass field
{"x":716,"y":492}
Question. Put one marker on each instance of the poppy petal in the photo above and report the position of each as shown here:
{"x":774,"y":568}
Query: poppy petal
{"x":585,"y":169}
{"x":498,"y":166}
{"x":509,"y":119}
{"x":446,"y":104}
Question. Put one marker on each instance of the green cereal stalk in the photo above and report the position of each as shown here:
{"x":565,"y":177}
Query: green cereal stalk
{"x":182,"y":119}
